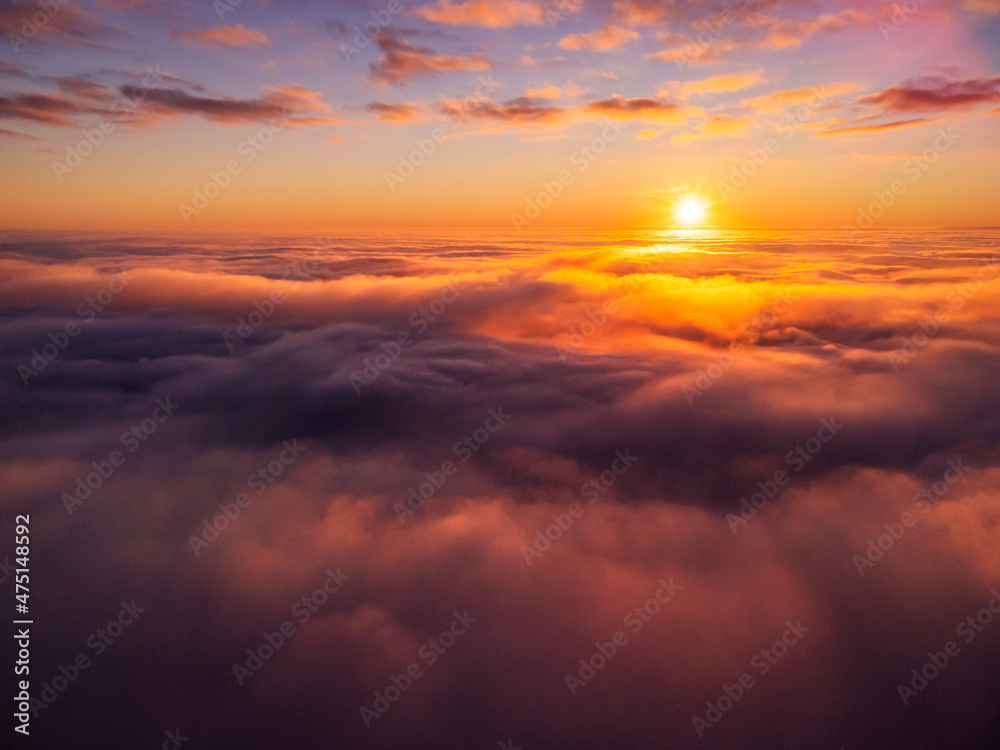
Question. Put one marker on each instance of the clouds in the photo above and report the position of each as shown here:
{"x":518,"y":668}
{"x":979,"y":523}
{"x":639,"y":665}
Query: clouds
{"x":723,"y":83}
{"x":826,"y":354}
{"x":878,"y":128}
{"x":292,"y":104}
{"x":40,"y":108}
{"x":140,"y":98}
{"x":226,"y":36}
{"x":23,"y":23}
{"x":493,"y":14}
{"x":715,"y":125}
{"x":782,"y":98}
{"x":539,"y":110}
{"x":395,"y":113}
{"x":929,"y":94}
{"x":162,"y":96}
{"x":640,"y":12}
{"x":786,"y":32}
{"x":400,"y":62}
{"x":732,"y":35}
{"x":673,"y":307}
{"x":522,"y":110}
{"x":934,"y":93}
{"x":647,"y":109}
{"x":608,"y":38}
{"x":982,"y":6}
{"x":611,"y":51}
{"x":12,"y":71}
{"x":547,"y":92}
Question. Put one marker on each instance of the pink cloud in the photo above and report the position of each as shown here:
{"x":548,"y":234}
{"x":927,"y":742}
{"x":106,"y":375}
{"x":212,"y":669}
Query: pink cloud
{"x":608,"y":38}
{"x":226,"y":36}
{"x":492,"y":14}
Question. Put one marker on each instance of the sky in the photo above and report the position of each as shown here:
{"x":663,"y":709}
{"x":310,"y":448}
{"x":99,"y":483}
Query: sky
{"x":505,"y":374}
{"x":516,"y":115}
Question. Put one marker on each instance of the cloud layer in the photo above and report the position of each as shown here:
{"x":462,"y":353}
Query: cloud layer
{"x":864,"y":373}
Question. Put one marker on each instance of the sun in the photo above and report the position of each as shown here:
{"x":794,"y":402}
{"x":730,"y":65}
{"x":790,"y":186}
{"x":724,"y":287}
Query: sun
{"x":690,"y":211}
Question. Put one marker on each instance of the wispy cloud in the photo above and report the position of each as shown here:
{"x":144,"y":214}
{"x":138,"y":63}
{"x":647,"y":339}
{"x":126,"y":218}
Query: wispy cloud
{"x":604,"y":40}
{"x":400,"y":62}
{"x":880,"y":127}
{"x":934,"y":93}
{"x":225,"y":36}
{"x":489,"y":14}
{"x":723,"y":83}
{"x":396,"y":113}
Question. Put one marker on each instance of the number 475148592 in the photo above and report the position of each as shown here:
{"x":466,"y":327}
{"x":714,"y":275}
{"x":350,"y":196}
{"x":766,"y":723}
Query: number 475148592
{"x":23,"y":542}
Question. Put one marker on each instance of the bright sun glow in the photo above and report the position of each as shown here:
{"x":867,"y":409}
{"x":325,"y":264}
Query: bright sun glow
{"x":690,"y":212}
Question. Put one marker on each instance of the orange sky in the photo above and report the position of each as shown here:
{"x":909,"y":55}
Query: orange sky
{"x":514,"y":115}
